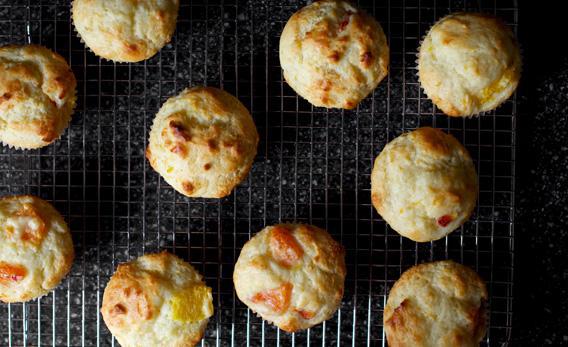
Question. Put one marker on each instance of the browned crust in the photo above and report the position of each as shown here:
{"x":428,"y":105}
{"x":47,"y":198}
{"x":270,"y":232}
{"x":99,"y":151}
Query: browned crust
{"x":489,"y":21}
{"x":44,"y":70}
{"x":40,"y":207}
{"x":128,"y":297}
{"x":333,"y":37}
{"x":403,"y":323}
{"x":133,"y":50}
{"x":188,"y":187}
{"x":435,"y":141}
{"x":326,"y":254}
{"x":439,"y":145}
{"x":218,"y":138}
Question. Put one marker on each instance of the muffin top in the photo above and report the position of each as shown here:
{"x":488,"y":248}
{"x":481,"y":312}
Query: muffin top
{"x":469,"y":63}
{"x":125,"y":30}
{"x":333,"y":54}
{"x":424,"y":184}
{"x":157,"y":300}
{"x":291,"y":275}
{"x":37,"y":96}
{"x":439,"y":304}
{"x":203,"y":142}
{"x":36,"y":250}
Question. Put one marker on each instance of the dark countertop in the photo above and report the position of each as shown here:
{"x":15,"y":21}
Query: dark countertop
{"x":541,"y":274}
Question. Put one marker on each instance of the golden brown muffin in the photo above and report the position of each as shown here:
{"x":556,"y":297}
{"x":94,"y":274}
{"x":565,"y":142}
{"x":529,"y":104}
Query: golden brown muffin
{"x":439,"y":304}
{"x":333,"y":54}
{"x":469,"y":63}
{"x":125,"y":30}
{"x":424,"y":184}
{"x":37,"y":96}
{"x":36,"y":250}
{"x":203,"y":142}
{"x":157,"y":300}
{"x":291,"y":275}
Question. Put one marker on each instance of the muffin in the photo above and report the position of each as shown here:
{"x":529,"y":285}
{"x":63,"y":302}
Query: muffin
{"x":291,"y":275}
{"x":125,"y":30}
{"x":439,"y":304}
{"x":424,"y":184}
{"x":157,"y":300}
{"x":37,"y":96}
{"x":333,"y":54}
{"x":469,"y":63}
{"x":36,"y":250}
{"x":203,"y":142}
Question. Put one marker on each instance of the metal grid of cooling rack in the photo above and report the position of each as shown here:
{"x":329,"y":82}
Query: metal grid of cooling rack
{"x":313,"y":166}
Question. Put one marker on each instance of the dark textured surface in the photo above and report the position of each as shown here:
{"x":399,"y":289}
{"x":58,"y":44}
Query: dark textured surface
{"x":313,"y":166}
{"x":541,"y":282}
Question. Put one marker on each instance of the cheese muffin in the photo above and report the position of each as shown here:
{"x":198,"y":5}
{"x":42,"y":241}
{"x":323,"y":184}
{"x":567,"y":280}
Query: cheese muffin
{"x":36,"y":250}
{"x":157,"y":300}
{"x":439,"y":304}
{"x":125,"y":30}
{"x":291,"y":275}
{"x":203,"y":142}
{"x":37,"y":96}
{"x":469,"y":63}
{"x":333,"y":54}
{"x":424,"y":184}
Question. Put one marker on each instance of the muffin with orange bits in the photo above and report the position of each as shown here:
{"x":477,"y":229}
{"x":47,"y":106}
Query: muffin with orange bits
{"x":333,"y":54}
{"x":157,"y":300}
{"x":292,"y":275}
{"x":36,"y":250}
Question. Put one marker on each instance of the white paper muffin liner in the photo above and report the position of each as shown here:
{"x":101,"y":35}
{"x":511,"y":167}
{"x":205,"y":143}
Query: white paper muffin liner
{"x":477,"y":114}
{"x":67,"y":124}
{"x":112,"y":60}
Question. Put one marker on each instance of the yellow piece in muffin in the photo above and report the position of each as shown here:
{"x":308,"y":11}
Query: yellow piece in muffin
{"x":186,"y":304}
{"x":469,"y":63}
{"x":157,"y":300}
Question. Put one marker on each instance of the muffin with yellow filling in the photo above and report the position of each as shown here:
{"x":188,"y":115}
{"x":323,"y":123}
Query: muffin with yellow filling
{"x":157,"y":300}
{"x":469,"y":63}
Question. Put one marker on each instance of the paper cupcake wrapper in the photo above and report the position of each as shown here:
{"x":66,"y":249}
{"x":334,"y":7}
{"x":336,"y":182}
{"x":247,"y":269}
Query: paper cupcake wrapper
{"x":73,"y":109}
{"x":107,"y":59}
{"x":85,"y":44}
{"x":477,"y":114}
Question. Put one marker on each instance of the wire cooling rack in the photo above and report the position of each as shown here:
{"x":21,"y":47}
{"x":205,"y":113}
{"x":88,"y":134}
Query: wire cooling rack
{"x":313,"y":165}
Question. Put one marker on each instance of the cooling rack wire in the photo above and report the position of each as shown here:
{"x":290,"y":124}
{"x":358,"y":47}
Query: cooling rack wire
{"x":313,"y":166}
